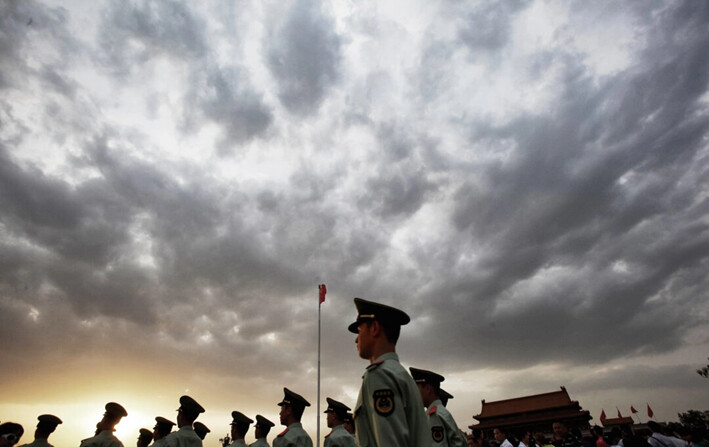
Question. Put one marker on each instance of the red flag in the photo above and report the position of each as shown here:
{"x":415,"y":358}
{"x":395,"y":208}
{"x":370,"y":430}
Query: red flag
{"x":323,"y":291}
{"x":633,"y":410}
{"x":603,"y":415}
{"x":649,"y":411}
{"x":619,"y":415}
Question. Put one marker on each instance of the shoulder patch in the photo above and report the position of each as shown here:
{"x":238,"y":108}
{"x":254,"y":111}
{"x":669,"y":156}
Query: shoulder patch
{"x":437,"y":433}
{"x":384,"y":402}
{"x":283,"y":432}
{"x":432,"y":410}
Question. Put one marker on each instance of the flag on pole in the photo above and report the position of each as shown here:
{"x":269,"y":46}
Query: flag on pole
{"x":633,"y":410}
{"x":619,"y":415}
{"x":603,"y":415}
{"x":649,"y":411}
{"x":323,"y":291}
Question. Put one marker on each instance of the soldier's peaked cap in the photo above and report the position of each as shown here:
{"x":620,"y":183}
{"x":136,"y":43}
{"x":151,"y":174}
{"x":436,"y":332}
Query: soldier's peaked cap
{"x":263,"y":422}
{"x":445,"y":394}
{"x":336,"y":407}
{"x":144,"y":432}
{"x":238,"y":417}
{"x":163,"y":421}
{"x":116,"y":410}
{"x":201,"y":428}
{"x":387,"y":315}
{"x":49,"y":419}
{"x":189,"y":404}
{"x":292,"y":399}
{"x":423,"y":376}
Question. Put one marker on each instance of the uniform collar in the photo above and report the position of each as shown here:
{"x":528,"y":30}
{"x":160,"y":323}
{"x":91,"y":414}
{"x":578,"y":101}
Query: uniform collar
{"x":386,"y":356}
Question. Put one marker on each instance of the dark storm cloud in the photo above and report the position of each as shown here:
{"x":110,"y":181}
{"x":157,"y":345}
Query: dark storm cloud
{"x":399,"y":184}
{"x":572,"y":236}
{"x":614,"y":166}
{"x":224,"y":96}
{"x":136,"y":35}
{"x":304,"y":57}
{"x":645,"y":377}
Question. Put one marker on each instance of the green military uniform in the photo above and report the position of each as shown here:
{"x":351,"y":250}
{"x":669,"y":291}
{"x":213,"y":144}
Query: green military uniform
{"x":47,"y":424}
{"x":163,"y":427}
{"x":339,"y":437}
{"x":293,"y":436}
{"x":105,"y":438}
{"x":389,"y":411}
{"x":263,"y":426}
{"x":158,"y":443}
{"x":38,"y":443}
{"x":444,"y":430}
{"x":240,"y":422}
{"x":260,"y":442}
{"x":185,"y":436}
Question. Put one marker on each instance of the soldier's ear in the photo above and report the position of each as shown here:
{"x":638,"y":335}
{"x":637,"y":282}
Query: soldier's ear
{"x":376,"y":327}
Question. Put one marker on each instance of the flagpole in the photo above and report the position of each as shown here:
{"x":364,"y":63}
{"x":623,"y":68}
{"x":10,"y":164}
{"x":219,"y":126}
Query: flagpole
{"x":318,"y":414}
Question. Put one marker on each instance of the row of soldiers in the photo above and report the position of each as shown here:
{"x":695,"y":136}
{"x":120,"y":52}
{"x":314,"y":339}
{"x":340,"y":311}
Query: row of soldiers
{"x":395,"y":407}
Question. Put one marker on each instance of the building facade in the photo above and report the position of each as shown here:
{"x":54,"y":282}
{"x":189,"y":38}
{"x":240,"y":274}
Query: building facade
{"x":534,"y":413}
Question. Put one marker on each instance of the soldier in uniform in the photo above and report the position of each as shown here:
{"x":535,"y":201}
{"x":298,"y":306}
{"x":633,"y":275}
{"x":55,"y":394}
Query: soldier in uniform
{"x":262,"y":427}
{"x":162,"y":428}
{"x":389,"y":408}
{"x":444,"y":430}
{"x":10,"y":433}
{"x":45,"y":427}
{"x":201,"y":430}
{"x":292,"y":407}
{"x":239,"y":427}
{"x":348,"y":423}
{"x":339,"y":437}
{"x":186,"y":415}
{"x":145,"y":438}
{"x":106,"y":426}
{"x":444,"y":395}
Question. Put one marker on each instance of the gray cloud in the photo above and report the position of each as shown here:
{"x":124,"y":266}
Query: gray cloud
{"x":134,"y":34}
{"x":223,"y":96}
{"x":304,"y":56}
{"x":578,"y":197}
{"x":487,"y":26}
{"x":573,"y":236}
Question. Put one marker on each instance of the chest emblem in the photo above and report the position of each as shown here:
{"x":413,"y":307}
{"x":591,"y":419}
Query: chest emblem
{"x":437,"y":433}
{"x":384,"y":402}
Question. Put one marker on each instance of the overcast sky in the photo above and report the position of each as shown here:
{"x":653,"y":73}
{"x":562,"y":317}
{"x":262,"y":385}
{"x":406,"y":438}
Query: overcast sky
{"x":528,"y":180}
